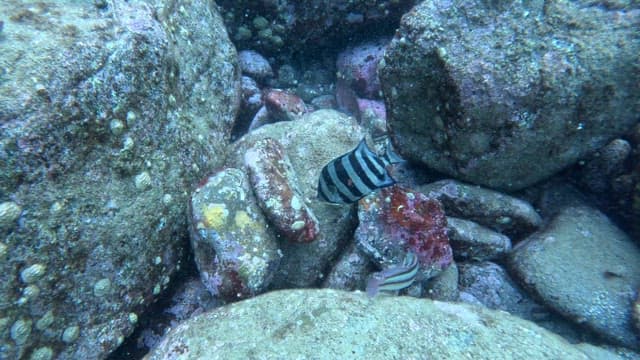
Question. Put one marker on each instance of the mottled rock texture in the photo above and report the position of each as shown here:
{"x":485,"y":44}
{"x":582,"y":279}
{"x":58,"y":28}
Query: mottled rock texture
{"x":235,"y":253}
{"x":109,"y":111}
{"x":330,"y":324}
{"x":507,"y":93}
{"x":309,"y":143}
{"x":585,"y":268}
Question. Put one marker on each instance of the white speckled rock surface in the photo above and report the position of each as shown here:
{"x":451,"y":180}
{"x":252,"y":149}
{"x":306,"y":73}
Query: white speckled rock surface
{"x":330,"y":324}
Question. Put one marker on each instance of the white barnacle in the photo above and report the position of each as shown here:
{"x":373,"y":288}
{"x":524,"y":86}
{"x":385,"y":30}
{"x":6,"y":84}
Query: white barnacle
{"x":9,"y":213}
{"x":42,"y":353}
{"x":20,"y":331}
{"x":45,"y":321}
{"x":32,"y":273}
{"x":143,"y":180}
{"x":102,"y":287}
{"x":70,"y":334}
{"x":297,"y":225}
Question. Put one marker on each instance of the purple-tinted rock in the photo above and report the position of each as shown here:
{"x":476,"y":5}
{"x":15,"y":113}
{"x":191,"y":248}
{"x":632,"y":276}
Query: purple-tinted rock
{"x":235,"y":253}
{"x":506,"y":94}
{"x":471,"y":241}
{"x":374,"y":106}
{"x":251,"y":95}
{"x":444,"y":286}
{"x":602,"y":167}
{"x":503,"y":213}
{"x":358,"y":66}
{"x":490,"y":285}
{"x":255,"y":65}
{"x":395,"y":220}
{"x":350,"y":271}
{"x":275,"y":186}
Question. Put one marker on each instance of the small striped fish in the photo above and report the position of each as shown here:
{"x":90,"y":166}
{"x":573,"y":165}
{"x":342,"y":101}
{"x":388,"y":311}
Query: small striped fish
{"x":394,"y":278}
{"x":349,"y":177}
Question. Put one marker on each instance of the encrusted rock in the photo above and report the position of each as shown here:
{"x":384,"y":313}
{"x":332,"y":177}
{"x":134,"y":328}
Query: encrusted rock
{"x":235,"y":254}
{"x":275,"y":186}
{"x":471,"y":241}
{"x":311,"y":142}
{"x":585,"y":268}
{"x":395,"y":220}
{"x":503,"y":213}
{"x":507,"y":93}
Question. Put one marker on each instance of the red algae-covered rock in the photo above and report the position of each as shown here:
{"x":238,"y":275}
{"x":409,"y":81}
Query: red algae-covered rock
{"x":396,"y":220}
{"x":235,"y":254}
{"x":283,"y":105}
{"x":274,"y":185}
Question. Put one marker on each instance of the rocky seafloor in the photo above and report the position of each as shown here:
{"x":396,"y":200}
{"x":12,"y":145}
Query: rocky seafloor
{"x":159,"y":165}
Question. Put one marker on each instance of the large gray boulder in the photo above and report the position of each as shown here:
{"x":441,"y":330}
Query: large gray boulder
{"x":331,"y":324}
{"x":109,"y":111}
{"x":507,"y":93}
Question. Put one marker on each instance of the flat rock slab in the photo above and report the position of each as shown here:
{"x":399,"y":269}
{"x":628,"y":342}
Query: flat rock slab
{"x":331,"y":324}
{"x":585,"y":268}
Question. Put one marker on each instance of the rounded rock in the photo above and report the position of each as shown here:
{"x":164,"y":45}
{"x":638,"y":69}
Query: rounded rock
{"x":9,"y":213}
{"x":33,"y":273}
{"x":42,"y":353}
{"x":20,"y":331}
{"x":70,"y":334}
{"x":143,"y":180}
{"x":102,"y":287}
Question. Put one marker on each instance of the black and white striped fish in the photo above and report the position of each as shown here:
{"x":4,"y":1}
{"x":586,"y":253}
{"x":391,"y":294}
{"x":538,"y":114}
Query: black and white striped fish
{"x":349,"y":177}
{"x":394,"y":278}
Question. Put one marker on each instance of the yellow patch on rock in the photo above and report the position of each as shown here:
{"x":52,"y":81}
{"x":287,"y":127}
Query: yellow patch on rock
{"x":243,"y":219}
{"x":215,"y":215}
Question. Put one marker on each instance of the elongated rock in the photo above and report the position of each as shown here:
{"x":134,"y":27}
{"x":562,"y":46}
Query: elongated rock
{"x":273,"y":181}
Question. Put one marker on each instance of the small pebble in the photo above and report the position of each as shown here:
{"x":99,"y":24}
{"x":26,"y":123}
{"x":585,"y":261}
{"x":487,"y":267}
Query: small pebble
{"x":133,"y":318}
